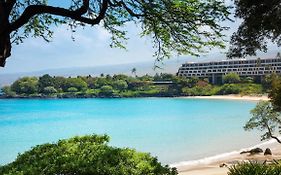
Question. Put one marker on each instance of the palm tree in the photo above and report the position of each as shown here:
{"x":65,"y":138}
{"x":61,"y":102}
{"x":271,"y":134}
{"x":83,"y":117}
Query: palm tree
{"x":134,"y":71}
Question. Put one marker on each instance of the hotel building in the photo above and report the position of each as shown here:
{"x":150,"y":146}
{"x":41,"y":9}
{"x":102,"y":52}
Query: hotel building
{"x":214,"y":71}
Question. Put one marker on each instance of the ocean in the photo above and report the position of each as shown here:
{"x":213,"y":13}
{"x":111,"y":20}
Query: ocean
{"x":172,"y":129}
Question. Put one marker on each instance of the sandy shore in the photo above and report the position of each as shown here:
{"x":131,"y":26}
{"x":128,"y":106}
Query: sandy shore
{"x":211,"y":165}
{"x":232,"y":97}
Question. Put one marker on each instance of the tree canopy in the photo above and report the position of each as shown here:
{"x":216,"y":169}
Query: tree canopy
{"x":231,"y":78}
{"x":264,"y":118}
{"x":175,"y":26}
{"x":275,"y":92}
{"x":260,"y":24}
{"x":85,"y":155}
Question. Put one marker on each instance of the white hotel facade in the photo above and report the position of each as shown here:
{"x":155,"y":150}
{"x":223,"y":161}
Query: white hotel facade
{"x":256,"y":68}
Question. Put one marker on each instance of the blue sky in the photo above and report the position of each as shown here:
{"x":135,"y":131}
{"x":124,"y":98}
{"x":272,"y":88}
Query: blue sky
{"x":91,"y":48}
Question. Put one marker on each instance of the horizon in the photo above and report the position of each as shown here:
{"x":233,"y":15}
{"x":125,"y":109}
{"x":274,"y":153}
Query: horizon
{"x":91,"y":48}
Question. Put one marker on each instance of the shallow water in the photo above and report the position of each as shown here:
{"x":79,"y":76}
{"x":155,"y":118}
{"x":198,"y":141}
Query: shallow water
{"x":173,"y":129}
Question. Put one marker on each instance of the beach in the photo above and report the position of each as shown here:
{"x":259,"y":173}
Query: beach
{"x":212,"y":165}
{"x":218,"y":164}
{"x":232,"y":97}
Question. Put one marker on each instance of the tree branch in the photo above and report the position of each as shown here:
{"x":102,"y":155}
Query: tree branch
{"x":130,"y":11}
{"x":10,"y":4}
{"x":33,"y":10}
{"x":270,"y":133}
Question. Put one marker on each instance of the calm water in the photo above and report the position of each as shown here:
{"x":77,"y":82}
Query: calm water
{"x":172,"y":129}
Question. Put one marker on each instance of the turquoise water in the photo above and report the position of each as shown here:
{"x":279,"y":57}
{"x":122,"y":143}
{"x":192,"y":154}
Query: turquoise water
{"x":173,"y":129}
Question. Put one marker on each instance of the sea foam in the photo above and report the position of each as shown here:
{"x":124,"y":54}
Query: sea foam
{"x":220,"y":157}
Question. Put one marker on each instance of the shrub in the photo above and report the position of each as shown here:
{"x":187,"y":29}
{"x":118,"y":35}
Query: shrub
{"x":49,"y":90}
{"x":7,"y":91}
{"x":231,"y":78}
{"x":199,"y":90}
{"x":106,"y":90}
{"x":229,"y":89}
{"x":85,"y":156}
{"x":77,"y":83}
{"x":120,"y":85}
{"x":254,"y":169}
{"x":25,"y":85}
{"x":72,"y":89}
{"x":251,"y":89}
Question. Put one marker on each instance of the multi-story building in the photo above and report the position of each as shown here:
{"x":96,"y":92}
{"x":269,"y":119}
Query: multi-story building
{"x":214,"y":71}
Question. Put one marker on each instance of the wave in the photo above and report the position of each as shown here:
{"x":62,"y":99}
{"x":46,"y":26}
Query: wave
{"x":221,"y":157}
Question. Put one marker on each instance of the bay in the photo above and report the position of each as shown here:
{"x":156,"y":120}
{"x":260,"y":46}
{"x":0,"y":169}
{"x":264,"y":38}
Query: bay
{"x":173,"y":129}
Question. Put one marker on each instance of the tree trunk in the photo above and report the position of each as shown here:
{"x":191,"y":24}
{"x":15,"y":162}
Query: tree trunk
{"x":5,"y":43}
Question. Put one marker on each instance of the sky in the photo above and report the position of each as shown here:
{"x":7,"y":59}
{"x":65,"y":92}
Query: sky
{"x":91,"y":48}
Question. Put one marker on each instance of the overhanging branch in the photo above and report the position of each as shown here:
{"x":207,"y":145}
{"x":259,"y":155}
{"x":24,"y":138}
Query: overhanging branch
{"x":33,"y":10}
{"x":9,"y":5}
{"x":271,"y":135}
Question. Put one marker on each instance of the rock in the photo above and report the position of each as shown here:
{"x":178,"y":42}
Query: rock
{"x":223,"y":165}
{"x":253,"y":151}
{"x":256,"y":151}
{"x":267,"y":152}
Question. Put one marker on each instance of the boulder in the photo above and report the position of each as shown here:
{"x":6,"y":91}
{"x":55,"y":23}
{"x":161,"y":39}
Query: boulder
{"x":253,"y":151}
{"x":267,"y":152}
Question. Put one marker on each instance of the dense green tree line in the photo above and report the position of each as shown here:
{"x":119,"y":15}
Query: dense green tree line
{"x":85,"y":155}
{"x":126,"y":86}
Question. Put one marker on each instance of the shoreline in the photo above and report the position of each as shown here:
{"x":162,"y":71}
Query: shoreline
{"x":211,"y":97}
{"x":231,"y":97}
{"x":211,"y":165}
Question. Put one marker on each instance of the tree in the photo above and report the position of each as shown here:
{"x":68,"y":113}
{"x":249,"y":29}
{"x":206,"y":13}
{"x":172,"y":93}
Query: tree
{"x":175,"y":25}
{"x":76,"y":83}
{"x":7,"y":91}
{"x":120,"y":85}
{"x":261,"y":22}
{"x":25,"y":85}
{"x":49,"y":90}
{"x":72,"y":89}
{"x":264,"y":118}
{"x":134,"y":71}
{"x":275,"y":92}
{"x":231,"y":78}
{"x":85,"y":155}
{"x":106,"y":90}
{"x":45,"y":81}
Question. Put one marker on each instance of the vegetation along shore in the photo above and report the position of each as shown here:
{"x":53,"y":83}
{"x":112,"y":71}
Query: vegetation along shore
{"x":117,"y":86}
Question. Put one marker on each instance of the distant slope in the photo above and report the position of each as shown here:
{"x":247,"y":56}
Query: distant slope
{"x":170,"y":66}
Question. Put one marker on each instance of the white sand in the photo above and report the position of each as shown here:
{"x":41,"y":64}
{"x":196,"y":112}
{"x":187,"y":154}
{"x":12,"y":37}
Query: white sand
{"x":231,"y":97}
{"x":211,"y":165}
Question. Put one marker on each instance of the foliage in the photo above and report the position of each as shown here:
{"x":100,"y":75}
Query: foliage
{"x":199,"y":90}
{"x":229,"y":89}
{"x":77,"y":83}
{"x":126,"y":86}
{"x":251,"y":89}
{"x":260,"y":23}
{"x":231,"y":78}
{"x":275,"y":93}
{"x":247,"y":80}
{"x":120,"y":85}
{"x":106,"y":90}
{"x":45,"y":81}
{"x":26,"y":85}
{"x":269,"y":80}
{"x":180,"y":26}
{"x":264,"y":118}
{"x":49,"y":90}
{"x":7,"y":91}
{"x":85,"y":155}
{"x":254,"y":169}
{"x":72,"y":89}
